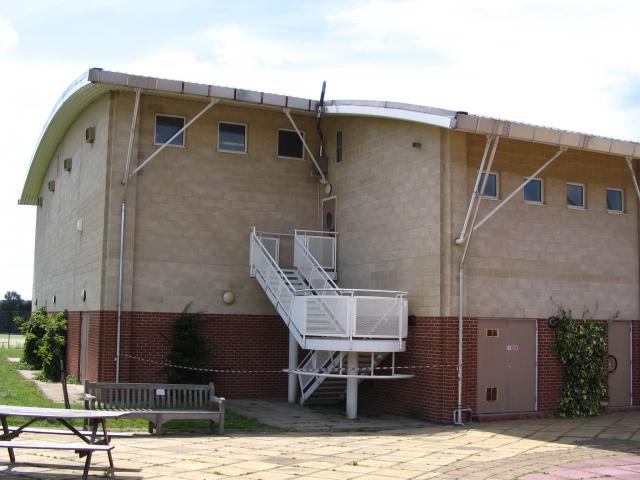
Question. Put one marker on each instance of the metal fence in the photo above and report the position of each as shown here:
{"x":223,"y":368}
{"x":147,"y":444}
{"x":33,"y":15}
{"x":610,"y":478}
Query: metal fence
{"x":10,"y":335}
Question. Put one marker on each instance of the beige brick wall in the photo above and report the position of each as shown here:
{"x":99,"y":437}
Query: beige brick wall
{"x":67,"y":260}
{"x":528,"y":258}
{"x":388,"y":207}
{"x":191,"y":209}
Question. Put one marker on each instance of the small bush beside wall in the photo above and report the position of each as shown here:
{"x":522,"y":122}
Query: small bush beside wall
{"x":187,"y":350}
{"x":45,"y":339}
{"x":581,"y":345}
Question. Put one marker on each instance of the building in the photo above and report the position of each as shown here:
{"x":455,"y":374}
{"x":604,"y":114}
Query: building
{"x":155,"y":194}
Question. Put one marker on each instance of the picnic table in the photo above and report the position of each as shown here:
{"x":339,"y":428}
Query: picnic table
{"x":92,"y":441}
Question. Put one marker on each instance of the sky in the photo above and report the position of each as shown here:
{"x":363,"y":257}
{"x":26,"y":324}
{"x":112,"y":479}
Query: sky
{"x":565,"y":64}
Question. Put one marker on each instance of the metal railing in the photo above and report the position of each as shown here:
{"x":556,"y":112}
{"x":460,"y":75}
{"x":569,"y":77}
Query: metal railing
{"x":321,"y":245}
{"x":355,"y":313}
{"x":324,"y":310}
{"x":273,"y":280}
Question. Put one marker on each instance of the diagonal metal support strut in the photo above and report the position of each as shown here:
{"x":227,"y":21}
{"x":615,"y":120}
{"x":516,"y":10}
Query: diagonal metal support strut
{"x":475,"y":195}
{"x":633,"y":176}
{"x":176,"y":135}
{"x":287,"y":112}
{"x":520,"y":187}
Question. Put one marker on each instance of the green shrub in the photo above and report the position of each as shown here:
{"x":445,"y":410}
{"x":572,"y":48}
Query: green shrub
{"x":33,"y":331}
{"x":187,"y":349}
{"x":582,"y":347}
{"x":44,"y":344}
{"x":52,"y":347}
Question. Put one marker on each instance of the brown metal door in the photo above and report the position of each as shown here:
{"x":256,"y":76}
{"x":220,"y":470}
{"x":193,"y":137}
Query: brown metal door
{"x":506,"y":366}
{"x":329,"y":214}
{"x":492,"y":358}
{"x":521,"y":365}
{"x":619,"y":364}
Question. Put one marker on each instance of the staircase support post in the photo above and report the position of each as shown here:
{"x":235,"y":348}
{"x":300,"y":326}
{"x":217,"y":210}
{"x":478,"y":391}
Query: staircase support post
{"x":352,"y":385}
{"x":293,"y":364}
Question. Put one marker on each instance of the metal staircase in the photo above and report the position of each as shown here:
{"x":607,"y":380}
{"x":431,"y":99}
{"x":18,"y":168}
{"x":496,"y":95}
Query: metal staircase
{"x":332,"y":322}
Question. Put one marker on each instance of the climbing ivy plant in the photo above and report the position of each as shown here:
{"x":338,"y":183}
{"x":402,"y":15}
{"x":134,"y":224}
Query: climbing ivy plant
{"x":581,"y":345}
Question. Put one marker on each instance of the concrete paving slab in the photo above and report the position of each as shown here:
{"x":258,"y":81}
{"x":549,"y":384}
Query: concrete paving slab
{"x":505,"y":450}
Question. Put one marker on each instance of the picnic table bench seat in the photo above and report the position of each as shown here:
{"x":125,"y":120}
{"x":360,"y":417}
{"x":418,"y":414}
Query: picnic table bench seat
{"x":157,"y":403}
{"x":84,"y":449}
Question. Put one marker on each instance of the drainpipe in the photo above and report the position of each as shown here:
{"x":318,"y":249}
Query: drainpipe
{"x":123,"y":212}
{"x":457,"y":413}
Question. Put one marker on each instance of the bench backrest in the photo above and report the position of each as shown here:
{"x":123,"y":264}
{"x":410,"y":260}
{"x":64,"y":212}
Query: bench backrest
{"x":150,"y":395}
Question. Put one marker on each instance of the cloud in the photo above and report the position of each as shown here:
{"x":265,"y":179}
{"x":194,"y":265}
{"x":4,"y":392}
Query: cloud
{"x":547,"y":62}
{"x":8,"y":36}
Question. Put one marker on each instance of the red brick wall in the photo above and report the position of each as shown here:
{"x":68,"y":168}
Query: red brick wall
{"x":234,"y":342}
{"x":550,"y":371}
{"x":432,"y":343}
{"x":73,"y":344}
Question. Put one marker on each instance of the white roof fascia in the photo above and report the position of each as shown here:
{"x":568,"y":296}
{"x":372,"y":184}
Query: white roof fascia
{"x":443,"y":121}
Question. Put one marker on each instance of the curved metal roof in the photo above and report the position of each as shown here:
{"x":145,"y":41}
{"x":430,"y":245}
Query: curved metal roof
{"x":96,"y":82}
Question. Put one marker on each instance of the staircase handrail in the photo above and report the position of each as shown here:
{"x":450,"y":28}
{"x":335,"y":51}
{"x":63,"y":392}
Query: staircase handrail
{"x":272,"y":261}
{"x":315,"y":263}
{"x":352,"y":291}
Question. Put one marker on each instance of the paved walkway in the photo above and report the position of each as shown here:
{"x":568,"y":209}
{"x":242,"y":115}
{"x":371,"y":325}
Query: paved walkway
{"x":318,"y":418}
{"x":549,"y":449}
{"x":53,"y":391}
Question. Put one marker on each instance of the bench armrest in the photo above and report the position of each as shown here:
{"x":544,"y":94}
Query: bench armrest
{"x":89,"y":402}
{"x":218,"y":401}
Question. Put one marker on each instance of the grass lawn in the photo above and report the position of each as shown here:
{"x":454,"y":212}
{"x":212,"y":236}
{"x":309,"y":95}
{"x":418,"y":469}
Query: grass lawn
{"x":17,"y":390}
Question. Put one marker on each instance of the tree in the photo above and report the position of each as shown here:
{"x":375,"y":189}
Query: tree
{"x":13,"y":302}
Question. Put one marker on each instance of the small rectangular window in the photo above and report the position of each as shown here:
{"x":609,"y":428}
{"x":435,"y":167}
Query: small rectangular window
{"x":491,"y":188}
{"x":492,"y":394}
{"x":533,"y":191}
{"x":339,"y":146}
{"x":166,"y":127}
{"x":232,"y":137}
{"x":290,"y":144}
{"x":575,"y":195}
{"x":492,"y":332}
{"x":615,"y":200}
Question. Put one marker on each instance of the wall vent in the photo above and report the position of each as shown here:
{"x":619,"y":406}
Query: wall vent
{"x":90,"y":134}
{"x":52,"y":186}
{"x":67,"y":164}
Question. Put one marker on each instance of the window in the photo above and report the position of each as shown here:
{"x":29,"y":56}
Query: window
{"x":575,"y":195}
{"x":492,"y":394}
{"x":615,"y":200}
{"x":491,"y":188}
{"x":533,"y":191}
{"x":289,"y":144}
{"x":492,"y":332}
{"x":166,"y":127}
{"x":232,"y":137}
{"x":338,"y":146}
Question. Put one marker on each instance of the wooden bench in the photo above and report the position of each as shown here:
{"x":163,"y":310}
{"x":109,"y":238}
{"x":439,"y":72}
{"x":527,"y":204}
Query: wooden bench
{"x":84,"y":449}
{"x":157,"y":403}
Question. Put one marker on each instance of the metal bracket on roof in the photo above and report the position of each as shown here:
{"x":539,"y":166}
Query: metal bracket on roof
{"x":178,"y":133}
{"x":287,"y":112}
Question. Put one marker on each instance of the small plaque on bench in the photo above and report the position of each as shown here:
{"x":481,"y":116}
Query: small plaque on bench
{"x":160,"y":392}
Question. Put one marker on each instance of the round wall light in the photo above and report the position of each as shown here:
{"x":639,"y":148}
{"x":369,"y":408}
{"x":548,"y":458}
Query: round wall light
{"x":228,"y":297}
{"x":327,"y":188}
